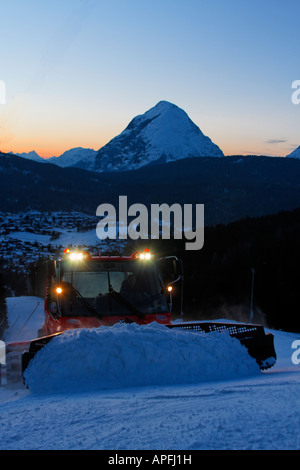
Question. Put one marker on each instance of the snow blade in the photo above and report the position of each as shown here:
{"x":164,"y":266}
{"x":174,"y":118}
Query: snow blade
{"x":259,"y":344}
{"x":35,"y":346}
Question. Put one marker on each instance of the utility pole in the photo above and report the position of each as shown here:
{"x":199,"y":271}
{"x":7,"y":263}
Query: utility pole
{"x":252,"y":287}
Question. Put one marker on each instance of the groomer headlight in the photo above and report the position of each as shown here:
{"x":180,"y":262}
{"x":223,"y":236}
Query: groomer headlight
{"x":75,"y":255}
{"x":145,"y":255}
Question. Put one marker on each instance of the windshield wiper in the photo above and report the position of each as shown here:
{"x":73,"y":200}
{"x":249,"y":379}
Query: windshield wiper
{"x":86,"y":304}
{"x":119,"y":298}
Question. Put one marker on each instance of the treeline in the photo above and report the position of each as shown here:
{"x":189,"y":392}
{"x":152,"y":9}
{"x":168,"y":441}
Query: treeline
{"x":230,"y":188}
{"x":218,"y":278}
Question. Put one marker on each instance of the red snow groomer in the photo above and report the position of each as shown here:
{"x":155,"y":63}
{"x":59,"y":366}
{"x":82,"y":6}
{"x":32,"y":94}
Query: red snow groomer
{"x":84,"y":291}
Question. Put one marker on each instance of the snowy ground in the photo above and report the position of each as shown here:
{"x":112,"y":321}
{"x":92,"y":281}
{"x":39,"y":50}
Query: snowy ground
{"x":66,"y":238}
{"x":227,"y":408}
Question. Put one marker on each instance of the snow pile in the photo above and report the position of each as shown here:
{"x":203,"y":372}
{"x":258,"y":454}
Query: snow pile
{"x":130,"y":355}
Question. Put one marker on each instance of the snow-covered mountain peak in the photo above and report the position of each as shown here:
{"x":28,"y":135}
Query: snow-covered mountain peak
{"x":162,"y":107}
{"x":73,"y":156}
{"x":294,"y":154}
{"x":164,"y":133}
{"x":168,"y":116}
{"x":31,"y":156}
{"x":68,"y":158}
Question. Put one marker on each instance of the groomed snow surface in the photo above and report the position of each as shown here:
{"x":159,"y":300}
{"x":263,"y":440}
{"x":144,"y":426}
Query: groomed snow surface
{"x":135,"y":388}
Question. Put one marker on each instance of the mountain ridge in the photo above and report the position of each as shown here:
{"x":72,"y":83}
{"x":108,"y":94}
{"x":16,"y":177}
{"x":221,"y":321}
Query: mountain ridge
{"x":230,"y":188}
{"x":294,"y":154}
{"x":162,"y":134}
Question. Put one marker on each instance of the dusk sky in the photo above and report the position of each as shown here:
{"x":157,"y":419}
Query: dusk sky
{"x":76,"y":72}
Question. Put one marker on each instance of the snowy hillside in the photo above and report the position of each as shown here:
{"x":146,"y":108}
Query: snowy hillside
{"x":295,"y":153}
{"x":245,"y":410}
{"x":25,"y":317}
{"x":68,"y":158}
{"x":162,"y":134}
{"x":73,"y":156}
{"x":31,"y":156}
